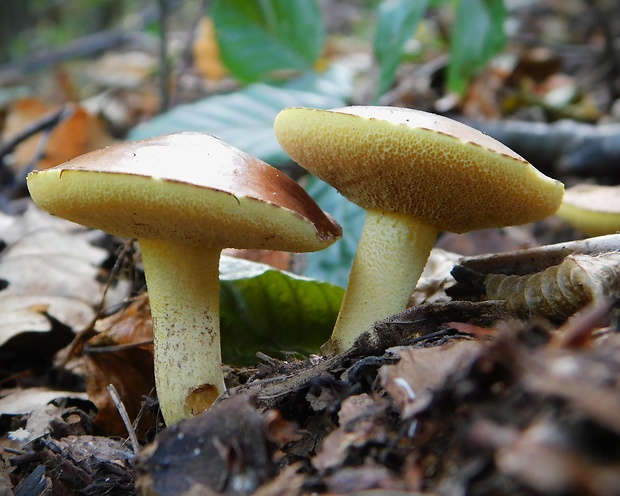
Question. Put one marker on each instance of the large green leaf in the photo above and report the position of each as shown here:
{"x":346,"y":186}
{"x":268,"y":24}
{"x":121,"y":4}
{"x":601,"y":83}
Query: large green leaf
{"x":245,"y":118}
{"x":334,"y":263}
{"x":478,"y":34}
{"x":263,"y":309}
{"x":258,"y":38}
{"x":397,"y":21}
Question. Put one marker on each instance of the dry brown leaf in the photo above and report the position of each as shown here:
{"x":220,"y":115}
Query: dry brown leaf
{"x":223,"y":449}
{"x":279,"y":259}
{"x":420,"y":371}
{"x":362,"y":421}
{"x":121,"y":355}
{"x":78,"y":134}
{"x":207,"y":53}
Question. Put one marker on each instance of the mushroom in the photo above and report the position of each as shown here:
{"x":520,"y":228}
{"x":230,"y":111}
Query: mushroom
{"x":592,"y":209}
{"x":416,"y":174}
{"x":185,"y":196}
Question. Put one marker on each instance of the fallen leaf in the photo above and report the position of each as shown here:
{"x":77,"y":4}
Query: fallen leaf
{"x":122,"y":355}
{"x":223,"y":449}
{"x":78,"y":134}
{"x":207,"y":53}
{"x":51,"y":269}
{"x":24,"y":402}
{"x":421,"y":371}
{"x":362,"y":423}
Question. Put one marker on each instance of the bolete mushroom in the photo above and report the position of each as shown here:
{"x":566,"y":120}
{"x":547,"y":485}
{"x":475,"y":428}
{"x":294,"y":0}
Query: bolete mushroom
{"x":185,"y":196}
{"x":415,"y":173}
{"x":592,"y":209}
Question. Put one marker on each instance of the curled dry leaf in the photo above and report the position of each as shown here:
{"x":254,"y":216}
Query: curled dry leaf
{"x":561,"y":290}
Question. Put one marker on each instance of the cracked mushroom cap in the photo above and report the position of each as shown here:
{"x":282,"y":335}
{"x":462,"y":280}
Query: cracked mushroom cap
{"x":593,"y":209}
{"x":185,"y":187}
{"x":425,"y":165}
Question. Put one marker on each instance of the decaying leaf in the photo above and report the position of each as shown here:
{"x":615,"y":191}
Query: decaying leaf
{"x":50,"y":268}
{"x":80,"y":465}
{"x":23,"y":402}
{"x":78,"y":134}
{"x":223,"y":450}
{"x":558,"y":291}
{"x":122,"y":355}
{"x":420,"y":371}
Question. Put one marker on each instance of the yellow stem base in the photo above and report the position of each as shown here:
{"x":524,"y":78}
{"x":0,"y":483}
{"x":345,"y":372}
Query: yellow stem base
{"x":390,"y":258}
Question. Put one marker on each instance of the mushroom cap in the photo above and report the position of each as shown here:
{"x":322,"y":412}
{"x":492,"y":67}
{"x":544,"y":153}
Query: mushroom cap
{"x":413,"y":162}
{"x":593,"y":209}
{"x":186,"y":187}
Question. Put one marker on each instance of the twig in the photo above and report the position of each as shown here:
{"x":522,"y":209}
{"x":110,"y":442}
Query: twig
{"x":133,"y":439}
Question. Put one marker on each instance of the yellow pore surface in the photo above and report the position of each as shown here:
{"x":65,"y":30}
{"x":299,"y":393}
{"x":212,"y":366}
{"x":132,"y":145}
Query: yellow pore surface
{"x":421,"y":164}
{"x":189,"y":188}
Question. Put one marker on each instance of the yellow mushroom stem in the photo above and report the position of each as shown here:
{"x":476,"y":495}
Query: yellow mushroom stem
{"x":184,"y":291}
{"x":390,"y":258}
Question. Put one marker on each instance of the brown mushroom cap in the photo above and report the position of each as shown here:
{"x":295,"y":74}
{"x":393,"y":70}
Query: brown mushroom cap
{"x":591,"y":208}
{"x":428,"y":166}
{"x":215,"y":194}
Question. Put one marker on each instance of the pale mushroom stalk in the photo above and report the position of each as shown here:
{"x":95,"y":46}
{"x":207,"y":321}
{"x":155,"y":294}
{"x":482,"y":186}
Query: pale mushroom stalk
{"x":390,"y":258}
{"x":186,"y":325}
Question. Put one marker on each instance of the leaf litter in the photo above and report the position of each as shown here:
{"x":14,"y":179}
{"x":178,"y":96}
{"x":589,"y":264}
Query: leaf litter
{"x":454,"y":397}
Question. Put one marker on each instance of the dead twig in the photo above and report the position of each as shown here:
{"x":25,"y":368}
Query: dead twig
{"x":133,"y":439}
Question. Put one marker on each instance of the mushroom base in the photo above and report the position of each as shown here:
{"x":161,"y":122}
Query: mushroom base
{"x":390,"y":258}
{"x":184,"y":292}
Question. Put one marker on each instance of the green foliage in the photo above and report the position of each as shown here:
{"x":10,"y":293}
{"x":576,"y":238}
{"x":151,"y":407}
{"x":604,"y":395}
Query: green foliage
{"x":272,"y":311}
{"x":478,"y":34}
{"x":259,"y":38}
{"x":397,"y":21}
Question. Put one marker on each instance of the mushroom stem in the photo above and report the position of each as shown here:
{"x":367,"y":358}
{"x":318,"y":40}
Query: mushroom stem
{"x":390,"y":258}
{"x":184,"y":292}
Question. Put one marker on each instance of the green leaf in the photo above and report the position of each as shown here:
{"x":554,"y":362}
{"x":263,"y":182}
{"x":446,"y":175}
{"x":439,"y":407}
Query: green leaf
{"x":245,"y":118}
{"x":257,"y":38}
{"x":478,"y":34}
{"x":397,"y":21}
{"x":263,"y":309}
{"x":334,"y":263}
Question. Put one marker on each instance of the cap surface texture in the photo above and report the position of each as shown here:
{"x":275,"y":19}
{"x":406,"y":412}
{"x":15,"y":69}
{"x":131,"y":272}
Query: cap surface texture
{"x":428,"y":166}
{"x":187,"y":187}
